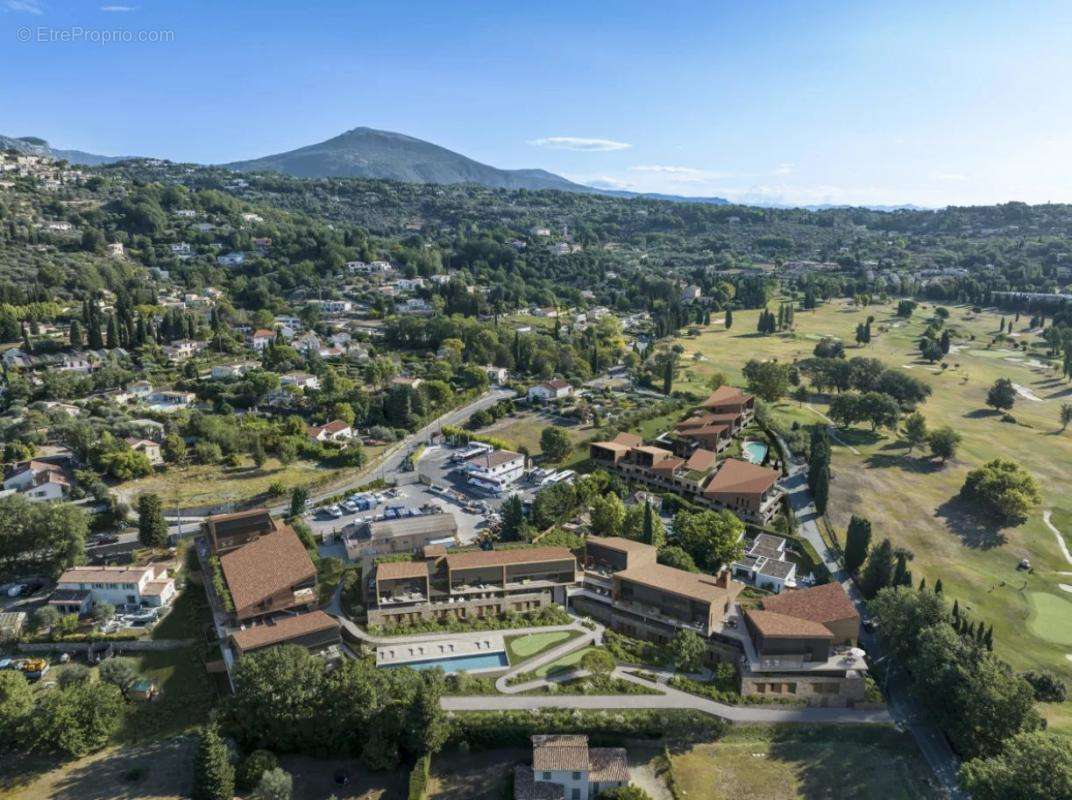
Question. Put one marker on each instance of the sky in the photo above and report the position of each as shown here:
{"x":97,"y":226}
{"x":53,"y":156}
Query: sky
{"x":869,"y":103}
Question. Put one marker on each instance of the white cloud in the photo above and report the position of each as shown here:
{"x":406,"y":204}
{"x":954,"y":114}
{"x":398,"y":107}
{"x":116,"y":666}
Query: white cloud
{"x":118,"y":9}
{"x":677,"y":174}
{"x":783,"y":169}
{"x":950,"y":177}
{"x":579,"y":143}
{"x":24,"y":6}
{"x":606,"y":182}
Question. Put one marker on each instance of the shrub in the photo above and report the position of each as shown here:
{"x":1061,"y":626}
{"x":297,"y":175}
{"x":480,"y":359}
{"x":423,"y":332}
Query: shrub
{"x":418,"y":778}
{"x":253,"y":767}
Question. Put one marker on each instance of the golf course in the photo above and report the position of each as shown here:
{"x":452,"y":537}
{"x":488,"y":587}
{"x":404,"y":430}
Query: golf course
{"x":913,"y":499}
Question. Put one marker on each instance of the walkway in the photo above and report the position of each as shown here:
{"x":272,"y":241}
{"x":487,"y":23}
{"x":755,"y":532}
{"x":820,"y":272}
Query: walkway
{"x":1060,"y":538}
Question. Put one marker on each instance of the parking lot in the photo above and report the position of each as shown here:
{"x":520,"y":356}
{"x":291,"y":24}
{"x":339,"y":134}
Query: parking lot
{"x":437,"y":482}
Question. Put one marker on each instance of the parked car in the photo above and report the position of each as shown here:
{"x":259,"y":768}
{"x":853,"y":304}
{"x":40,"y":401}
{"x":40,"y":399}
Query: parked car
{"x":334,"y":512}
{"x":17,"y":590}
{"x":105,"y":538}
{"x":350,"y":506}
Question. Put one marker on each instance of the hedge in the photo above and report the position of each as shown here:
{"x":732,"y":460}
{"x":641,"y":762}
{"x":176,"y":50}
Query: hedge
{"x":494,"y":729}
{"x":418,"y":778}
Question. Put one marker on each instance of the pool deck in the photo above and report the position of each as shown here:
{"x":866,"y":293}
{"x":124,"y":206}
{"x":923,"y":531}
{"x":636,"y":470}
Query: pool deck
{"x":459,"y":645}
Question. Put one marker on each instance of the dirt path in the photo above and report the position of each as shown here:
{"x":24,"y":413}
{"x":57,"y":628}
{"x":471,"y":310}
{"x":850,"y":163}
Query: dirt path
{"x":1060,"y":537}
{"x":833,"y":429}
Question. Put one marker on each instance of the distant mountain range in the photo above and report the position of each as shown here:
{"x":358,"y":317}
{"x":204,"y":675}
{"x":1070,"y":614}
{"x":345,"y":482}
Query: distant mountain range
{"x":382,"y":155}
{"x":36,"y":146}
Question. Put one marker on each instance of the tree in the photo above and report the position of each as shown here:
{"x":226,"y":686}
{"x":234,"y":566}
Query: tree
{"x":40,"y":537}
{"x":653,"y":534}
{"x":1030,"y":766}
{"x":553,"y":505}
{"x":1066,"y":415}
{"x":880,"y":410}
{"x":513,"y":519}
{"x":915,"y":430}
{"x":674,"y":556}
{"x":275,"y":784}
{"x":1049,"y":688}
{"x":1003,"y":487}
{"x":257,"y":453}
{"x":74,"y":335}
{"x":554,"y":443}
{"x":879,"y":569}
{"x":103,"y":611}
{"x":214,"y":777}
{"x":249,"y":772}
{"x":121,"y":672}
{"x":174,"y":449}
{"x":425,"y":728}
{"x":687,"y":649}
{"x":598,"y":661}
{"x":277,"y":698}
{"x":857,"y":542}
{"x":767,"y":379}
{"x":629,"y":792}
{"x":45,"y":618}
{"x":299,"y":496}
{"x":77,"y":720}
{"x":607,"y":514}
{"x":729,"y":318}
{"x":944,"y":442}
{"x":152,"y":527}
{"x":1001,"y":395}
{"x":16,"y":703}
{"x":821,"y":490}
{"x":712,"y":538}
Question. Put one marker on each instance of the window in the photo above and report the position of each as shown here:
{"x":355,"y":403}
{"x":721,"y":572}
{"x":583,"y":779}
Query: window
{"x":792,"y":687}
{"x":547,"y":776}
{"x":575,"y":794}
{"x":576,"y":776}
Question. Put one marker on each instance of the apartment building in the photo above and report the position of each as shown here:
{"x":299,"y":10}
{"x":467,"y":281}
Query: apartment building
{"x":730,"y":400}
{"x":314,"y":631}
{"x":495,"y":471}
{"x":227,"y":532}
{"x":270,"y":574}
{"x":469,"y":585}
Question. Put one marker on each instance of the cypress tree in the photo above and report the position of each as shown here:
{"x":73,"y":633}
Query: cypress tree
{"x":938,"y":586}
{"x":857,"y":542}
{"x":112,"y":340}
{"x":729,"y":318}
{"x":821,"y":490}
{"x":956,"y":609}
{"x":213,"y":772}
{"x":923,"y":584}
{"x":649,"y":523}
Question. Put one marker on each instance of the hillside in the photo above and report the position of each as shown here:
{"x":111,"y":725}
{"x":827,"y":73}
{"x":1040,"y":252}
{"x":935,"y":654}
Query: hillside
{"x":369,"y":153}
{"x":32,"y":144}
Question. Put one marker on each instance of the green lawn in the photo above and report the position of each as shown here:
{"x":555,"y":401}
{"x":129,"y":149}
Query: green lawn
{"x":564,"y":664}
{"x":798,"y":763}
{"x":523,"y":430}
{"x":520,"y":648}
{"x":1052,"y":618}
{"x":215,"y":484}
{"x":913,"y":501}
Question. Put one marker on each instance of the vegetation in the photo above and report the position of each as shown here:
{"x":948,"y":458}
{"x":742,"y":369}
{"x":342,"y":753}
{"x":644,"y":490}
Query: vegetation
{"x":214,"y":777}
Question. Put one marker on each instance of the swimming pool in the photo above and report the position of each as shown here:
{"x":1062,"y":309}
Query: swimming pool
{"x":754,"y":451}
{"x":460,"y":663}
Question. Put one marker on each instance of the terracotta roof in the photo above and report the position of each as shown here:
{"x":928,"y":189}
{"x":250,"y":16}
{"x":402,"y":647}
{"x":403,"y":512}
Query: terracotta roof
{"x":725,"y":396}
{"x":617,"y":447}
{"x":607,"y":764}
{"x":283,"y":629}
{"x":694,"y":585}
{"x":655,"y":451}
{"x":628,"y":439}
{"x":821,"y":604}
{"x":241,"y":522}
{"x":701,"y":460}
{"x":105,"y":574}
{"x":770,"y":623}
{"x":499,"y":558}
{"x":261,"y":333}
{"x":620,"y":544}
{"x":556,"y":383}
{"x":265,"y":566}
{"x":668,"y":464}
{"x":741,"y":477}
{"x":526,"y":787}
{"x":394,"y":570}
{"x":496,"y":458}
{"x":157,"y":587}
{"x":551,"y":753}
{"x":434,"y":550}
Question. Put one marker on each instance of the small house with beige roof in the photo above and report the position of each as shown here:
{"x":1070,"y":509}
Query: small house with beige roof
{"x":564,"y":767}
{"x":79,"y":589}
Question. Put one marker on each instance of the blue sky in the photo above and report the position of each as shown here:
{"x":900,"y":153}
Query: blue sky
{"x":793,"y":102}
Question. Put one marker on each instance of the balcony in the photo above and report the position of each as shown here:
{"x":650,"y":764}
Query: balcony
{"x":659,"y":615}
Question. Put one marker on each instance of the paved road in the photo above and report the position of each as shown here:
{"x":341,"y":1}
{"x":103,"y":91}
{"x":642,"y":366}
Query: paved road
{"x":904,"y":708}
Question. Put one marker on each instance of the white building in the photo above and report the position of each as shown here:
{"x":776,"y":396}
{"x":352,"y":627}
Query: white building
{"x":334,"y":431}
{"x":221,"y":372}
{"x":261,"y":338}
{"x":302,"y":380}
{"x":231,"y":260}
{"x":556,"y":389}
{"x":148,"y":447}
{"x":495,"y":471}
{"x":38,"y":481}
{"x":497,"y":374}
{"x":565,"y":767}
{"x":80,"y":588}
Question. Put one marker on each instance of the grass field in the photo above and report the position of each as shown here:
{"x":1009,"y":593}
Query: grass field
{"x":520,"y":648}
{"x":215,"y":484}
{"x":567,"y":662}
{"x":914,"y":501}
{"x":523,"y":430}
{"x":795,"y":763}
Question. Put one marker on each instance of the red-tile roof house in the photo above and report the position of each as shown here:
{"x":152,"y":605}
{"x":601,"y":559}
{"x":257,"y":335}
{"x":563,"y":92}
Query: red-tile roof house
{"x":270,"y":574}
{"x":746,"y":489}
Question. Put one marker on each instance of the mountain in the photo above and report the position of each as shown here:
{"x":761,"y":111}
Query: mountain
{"x":369,"y":153}
{"x":36,"y":146}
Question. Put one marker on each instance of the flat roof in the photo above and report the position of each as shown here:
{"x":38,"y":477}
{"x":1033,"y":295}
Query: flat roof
{"x":409,"y":526}
{"x":619,"y":543}
{"x":395,"y":570}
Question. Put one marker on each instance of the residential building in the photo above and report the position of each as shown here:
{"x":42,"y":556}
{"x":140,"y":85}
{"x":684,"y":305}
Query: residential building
{"x":269,"y":574}
{"x":556,"y":389}
{"x":182,"y":349}
{"x":231,"y":259}
{"x":470,"y":585}
{"x":38,"y":481}
{"x":261,"y":338}
{"x":235,"y":369}
{"x":403,"y":535}
{"x":226,"y":532}
{"x":148,"y":447}
{"x":730,"y":400}
{"x":766,"y":564}
{"x":301,"y":380}
{"x":748,"y":490}
{"x":566,"y":768}
{"x":334,"y":431}
{"x":167,"y":400}
{"x":495,"y":471}
{"x":78,"y":589}
{"x":802,"y":643}
{"x":497,"y":375}
{"x":314,"y":630}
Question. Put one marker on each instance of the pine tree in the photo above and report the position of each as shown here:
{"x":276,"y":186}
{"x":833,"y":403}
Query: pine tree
{"x":879,"y":569}
{"x":152,"y":527}
{"x":75,"y":334}
{"x":938,"y":586}
{"x":213,"y":772}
